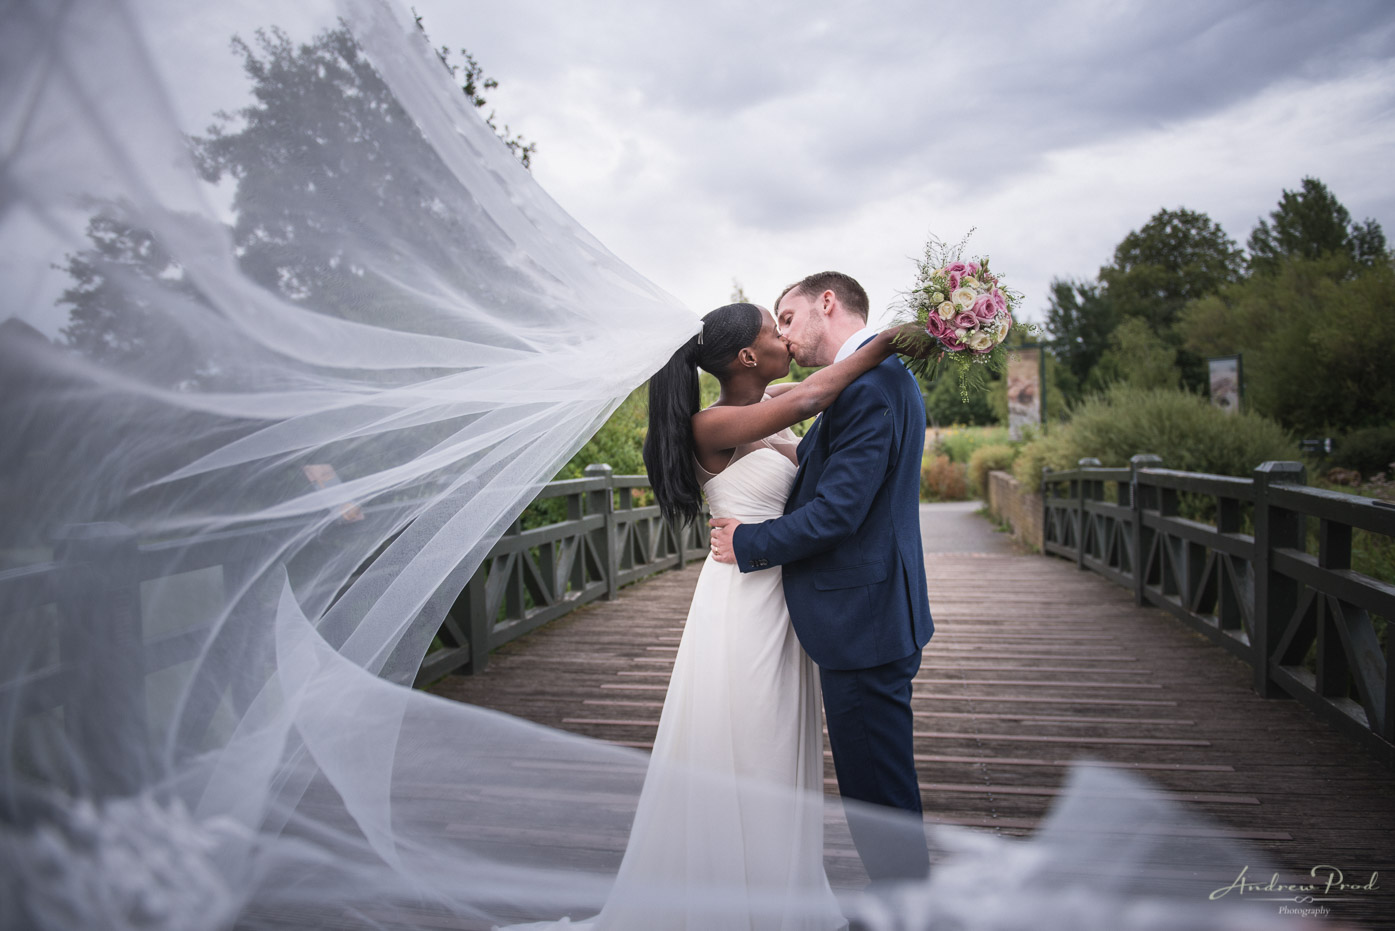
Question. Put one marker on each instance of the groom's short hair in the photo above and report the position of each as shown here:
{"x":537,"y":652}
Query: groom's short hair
{"x":850,"y":293}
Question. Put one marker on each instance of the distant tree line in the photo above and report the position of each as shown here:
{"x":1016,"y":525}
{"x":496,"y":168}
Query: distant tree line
{"x":1309,"y":304}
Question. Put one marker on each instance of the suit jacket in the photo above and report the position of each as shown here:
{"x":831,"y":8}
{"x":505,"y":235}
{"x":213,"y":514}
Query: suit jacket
{"x":854,"y":567}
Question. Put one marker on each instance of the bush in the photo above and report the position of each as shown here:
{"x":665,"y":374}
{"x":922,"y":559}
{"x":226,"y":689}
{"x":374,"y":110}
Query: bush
{"x":943,"y":480}
{"x":1184,"y":429}
{"x":987,"y":459}
{"x":1369,"y":452}
{"x":959,"y":443}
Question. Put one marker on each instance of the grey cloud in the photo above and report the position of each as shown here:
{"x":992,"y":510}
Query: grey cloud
{"x":1053,"y":85}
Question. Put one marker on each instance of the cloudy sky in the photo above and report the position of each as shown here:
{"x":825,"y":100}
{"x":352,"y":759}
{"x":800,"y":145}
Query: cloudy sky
{"x":759,"y":142}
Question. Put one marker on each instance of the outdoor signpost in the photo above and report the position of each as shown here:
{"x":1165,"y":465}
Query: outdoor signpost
{"x":1026,"y":388}
{"x":1225,"y":381}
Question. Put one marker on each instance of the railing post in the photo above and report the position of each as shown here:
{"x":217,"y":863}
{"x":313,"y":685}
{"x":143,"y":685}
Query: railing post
{"x":1141,"y":539}
{"x":102,"y":644}
{"x":1045,"y":507}
{"x":478,"y":625}
{"x":603,"y":502}
{"x":576,"y":510}
{"x":1275,"y":594}
{"x":1080,"y":515}
{"x":680,"y":539}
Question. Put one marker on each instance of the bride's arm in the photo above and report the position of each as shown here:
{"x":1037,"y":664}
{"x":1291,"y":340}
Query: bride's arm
{"x":719,"y":428}
{"x":776,"y":390}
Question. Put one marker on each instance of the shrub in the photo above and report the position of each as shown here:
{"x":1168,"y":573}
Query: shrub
{"x":959,"y":443}
{"x":1369,"y":452}
{"x":1184,"y":429}
{"x":943,"y":480}
{"x":1056,"y":449}
{"x":986,"y":459}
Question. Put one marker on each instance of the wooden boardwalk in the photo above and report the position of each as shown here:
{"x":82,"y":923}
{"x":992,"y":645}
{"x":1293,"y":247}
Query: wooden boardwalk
{"x":1033,"y":664}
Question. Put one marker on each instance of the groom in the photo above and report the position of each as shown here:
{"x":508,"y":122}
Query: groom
{"x":854,"y":570}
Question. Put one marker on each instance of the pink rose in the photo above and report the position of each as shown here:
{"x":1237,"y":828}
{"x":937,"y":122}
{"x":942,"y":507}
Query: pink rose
{"x":943,"y":331}
{"x":985,"y":308}
{"x":965,"y":320}
{"x":958,"y":268}
{"x":954,"y":279}
{"x":999,"y":299}
{"x":972,"y":267}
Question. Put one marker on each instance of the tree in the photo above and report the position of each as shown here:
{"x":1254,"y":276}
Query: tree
{"x":945,"y":406}
{"x":355,"y":160}
{"x":1079,"y":320}
{"x":1138,"y":357}
{"x":323,"y":146}
{"x":1311,"y":223}
{"x":1317,"y":336}
{"x":117,"y":324}
{"x":1177,"y":256}
{"x":473,"y":80}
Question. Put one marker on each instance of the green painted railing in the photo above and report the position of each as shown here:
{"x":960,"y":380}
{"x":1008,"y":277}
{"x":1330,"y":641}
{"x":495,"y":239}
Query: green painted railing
{"x":92,"y":590}
{"x":1260,"y":594}
{"x":534,"y":576}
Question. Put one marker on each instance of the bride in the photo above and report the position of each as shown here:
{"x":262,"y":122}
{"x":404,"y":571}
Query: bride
{"x":741,"y":723}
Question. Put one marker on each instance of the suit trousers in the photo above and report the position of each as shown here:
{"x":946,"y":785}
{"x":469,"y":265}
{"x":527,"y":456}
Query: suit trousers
{"x":868,"y":712}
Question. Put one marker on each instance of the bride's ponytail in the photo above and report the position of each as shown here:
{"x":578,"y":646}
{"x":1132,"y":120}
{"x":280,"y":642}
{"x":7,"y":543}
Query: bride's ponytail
{"x":668,"y":446}
{"x":674,"y":397}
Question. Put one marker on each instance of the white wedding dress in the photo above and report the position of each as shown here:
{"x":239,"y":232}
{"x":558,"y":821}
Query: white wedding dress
{"x":719,"y":840}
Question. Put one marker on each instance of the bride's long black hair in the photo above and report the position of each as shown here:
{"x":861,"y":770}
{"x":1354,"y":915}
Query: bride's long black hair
{"x":669,"y":450}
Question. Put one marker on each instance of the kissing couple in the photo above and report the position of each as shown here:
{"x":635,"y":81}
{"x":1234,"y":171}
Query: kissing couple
{"x":816,"y":561}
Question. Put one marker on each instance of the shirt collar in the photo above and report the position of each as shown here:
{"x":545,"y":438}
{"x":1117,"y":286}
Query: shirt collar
{"x":854,"y":341}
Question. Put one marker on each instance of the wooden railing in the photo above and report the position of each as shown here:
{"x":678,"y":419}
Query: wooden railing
{"x":1245,"y":580}
{"x":87,"y":600}
{"x":533,"y":576}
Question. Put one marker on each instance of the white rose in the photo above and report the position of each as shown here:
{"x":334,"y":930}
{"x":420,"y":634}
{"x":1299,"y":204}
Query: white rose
{"x":978,"y":339}
{"x":964,"y":297}
{"x":969,"y":281}
{"x":945,"y":310}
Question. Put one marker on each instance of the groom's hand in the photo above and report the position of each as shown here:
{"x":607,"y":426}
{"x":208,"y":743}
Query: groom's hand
{"x":722,"y":530}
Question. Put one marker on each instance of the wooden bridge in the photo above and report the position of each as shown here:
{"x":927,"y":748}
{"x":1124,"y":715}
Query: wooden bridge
{"x":1034,"y":664}
{"x":1207,"y":633}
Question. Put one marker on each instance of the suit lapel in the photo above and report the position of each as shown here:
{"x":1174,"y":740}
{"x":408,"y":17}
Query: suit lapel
{"x":806,"y":443}
{"x":803,"y":453}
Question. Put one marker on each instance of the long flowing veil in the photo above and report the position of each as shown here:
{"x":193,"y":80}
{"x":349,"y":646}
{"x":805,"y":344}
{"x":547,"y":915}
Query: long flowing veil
{"x":290,"y":338}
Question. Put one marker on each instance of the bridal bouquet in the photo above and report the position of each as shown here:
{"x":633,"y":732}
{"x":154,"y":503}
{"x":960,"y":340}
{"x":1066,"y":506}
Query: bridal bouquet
{"x":961,"y":312}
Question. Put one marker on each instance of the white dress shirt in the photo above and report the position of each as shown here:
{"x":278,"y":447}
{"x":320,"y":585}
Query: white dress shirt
{"x":854,"y":341}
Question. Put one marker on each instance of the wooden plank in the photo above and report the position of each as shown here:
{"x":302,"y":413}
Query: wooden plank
{"x":1003,"y":740}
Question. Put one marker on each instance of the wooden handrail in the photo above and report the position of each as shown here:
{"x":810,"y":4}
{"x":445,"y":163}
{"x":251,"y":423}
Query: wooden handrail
{"x":528,"y":578}
{"x":1259,"y":594}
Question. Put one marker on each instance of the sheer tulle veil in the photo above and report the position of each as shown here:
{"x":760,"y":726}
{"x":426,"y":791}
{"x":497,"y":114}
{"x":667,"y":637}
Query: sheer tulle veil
{"x":290,"y":338}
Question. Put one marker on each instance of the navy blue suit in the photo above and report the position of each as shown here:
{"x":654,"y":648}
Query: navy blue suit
{"x":854,"y":581}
